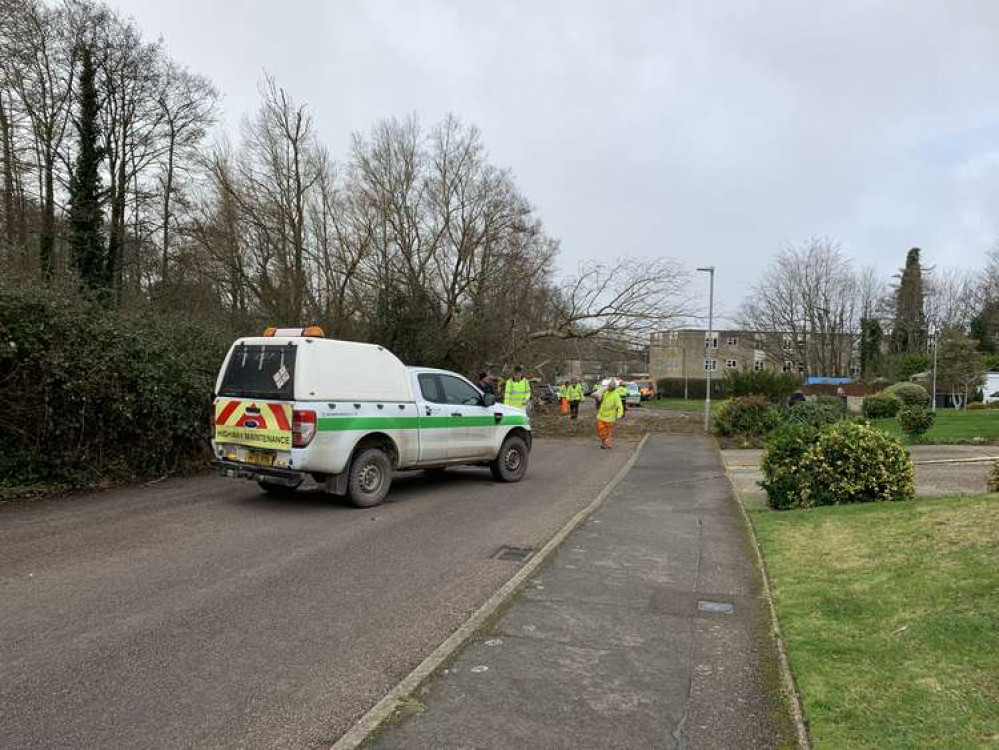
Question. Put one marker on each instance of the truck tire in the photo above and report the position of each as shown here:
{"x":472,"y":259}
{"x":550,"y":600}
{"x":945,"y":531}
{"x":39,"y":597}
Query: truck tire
{"x":370,"y":478}
{"x":511,"y":463}
{"x":277,"y":488}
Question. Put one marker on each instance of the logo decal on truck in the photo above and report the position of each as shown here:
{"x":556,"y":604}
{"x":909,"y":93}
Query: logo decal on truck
{"x":255,"y":425}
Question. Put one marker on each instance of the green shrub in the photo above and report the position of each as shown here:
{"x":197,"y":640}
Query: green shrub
{"x":910,"y":394}
{"x":693,"y":388}
{"x":781,"y":464}
{"x":821,"y":411}
{"x":881,"y":406}
{"x":772,"y":385}
{"x":993,"y":479}
{"x":843,"y":463}
{"x":748,"y":416}
{"x":855,"y":463}
{"x":92,"y":393}
{"x":915,"y":421}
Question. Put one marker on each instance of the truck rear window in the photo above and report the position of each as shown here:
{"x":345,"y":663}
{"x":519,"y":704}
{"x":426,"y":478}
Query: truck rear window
{"x":266,"y":371}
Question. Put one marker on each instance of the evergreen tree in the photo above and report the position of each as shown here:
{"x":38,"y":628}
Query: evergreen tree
{"x":86,"y":195}
{"x":909,"y":333}
{"x":985,"y":328}
{"x":871,"y":336}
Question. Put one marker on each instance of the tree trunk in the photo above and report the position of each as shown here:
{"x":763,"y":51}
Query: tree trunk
{"x":167,"y":192}
{"x":6,"y":135}
{"x":46,"y":240}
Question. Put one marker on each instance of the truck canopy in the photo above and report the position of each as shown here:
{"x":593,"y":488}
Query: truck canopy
{"x":317,"y":370}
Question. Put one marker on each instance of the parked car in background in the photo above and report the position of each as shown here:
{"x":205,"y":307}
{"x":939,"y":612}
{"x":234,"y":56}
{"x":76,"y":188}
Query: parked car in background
{"x":647,"y":389}
{"x":634,"y":397}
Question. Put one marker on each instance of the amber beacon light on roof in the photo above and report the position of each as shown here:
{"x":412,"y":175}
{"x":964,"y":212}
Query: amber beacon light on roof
{"x":311,"y":331}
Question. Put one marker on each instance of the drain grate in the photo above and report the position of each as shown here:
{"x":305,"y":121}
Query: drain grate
{"x":716,"y":608}
{"x":517,"y":554}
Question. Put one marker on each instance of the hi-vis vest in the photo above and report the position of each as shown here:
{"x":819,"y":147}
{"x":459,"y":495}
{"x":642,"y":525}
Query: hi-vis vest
{"x":517,"y":393}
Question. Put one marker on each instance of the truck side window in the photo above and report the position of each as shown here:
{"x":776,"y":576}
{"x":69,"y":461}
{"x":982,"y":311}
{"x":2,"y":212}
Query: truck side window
{"x":459,"y":393}
{"x":430,"y":387}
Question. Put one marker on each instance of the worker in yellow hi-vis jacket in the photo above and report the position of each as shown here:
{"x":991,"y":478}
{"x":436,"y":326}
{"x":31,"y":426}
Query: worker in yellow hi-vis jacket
{"x":611,"y":409}
{"x":575,"y":395}
{"x":517,"y":390}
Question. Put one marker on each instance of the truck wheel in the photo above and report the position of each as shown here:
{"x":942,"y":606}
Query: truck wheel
{"x":370,"y":478}
{"x":511,"y":463}
{"x":277,"y":488}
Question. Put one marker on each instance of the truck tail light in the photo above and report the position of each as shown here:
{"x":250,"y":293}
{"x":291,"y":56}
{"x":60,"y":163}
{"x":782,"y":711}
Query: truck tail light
{"x":303,"y":428}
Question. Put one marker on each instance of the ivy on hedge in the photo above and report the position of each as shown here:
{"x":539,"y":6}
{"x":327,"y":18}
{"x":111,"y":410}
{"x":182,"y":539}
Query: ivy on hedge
{"x":91,"y":393}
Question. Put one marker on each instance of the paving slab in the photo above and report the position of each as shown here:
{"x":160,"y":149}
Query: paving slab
{"x":612,"y":644}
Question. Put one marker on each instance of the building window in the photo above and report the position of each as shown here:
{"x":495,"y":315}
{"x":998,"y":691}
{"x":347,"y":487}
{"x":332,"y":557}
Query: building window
{"x":855,"y":369}
{"x":801,"y":367}
{"x":758,"y":365}
{"x":711,"y":365}
{"x":732,"y":341}
{"x":789,"y":367}
{"x":711,"y":341}
{"x":731,"y":364}
{"x":671,"y":366}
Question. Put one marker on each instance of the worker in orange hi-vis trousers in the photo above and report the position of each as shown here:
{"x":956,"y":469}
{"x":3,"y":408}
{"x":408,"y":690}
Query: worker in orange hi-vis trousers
{"x":611,"y":409}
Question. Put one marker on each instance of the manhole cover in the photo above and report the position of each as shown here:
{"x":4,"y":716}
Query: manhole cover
{"x":716,"y":608}
{"x":517,"y":554}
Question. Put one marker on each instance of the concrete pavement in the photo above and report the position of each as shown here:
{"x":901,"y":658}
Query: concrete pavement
{"x":646,"y":630}
{"x":202,"y":613}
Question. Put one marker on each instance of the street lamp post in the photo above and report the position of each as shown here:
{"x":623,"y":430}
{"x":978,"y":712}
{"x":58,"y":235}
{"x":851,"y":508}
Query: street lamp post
{"x":936,"y":345}
{"x":711,"y":321}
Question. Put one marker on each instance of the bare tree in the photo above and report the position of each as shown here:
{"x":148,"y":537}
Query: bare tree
{"x":625,"y":301}
{"x":807,"y":307}
{"x":187,"y":103}
{"x":37,"y":68}
{"x":950,"y":297}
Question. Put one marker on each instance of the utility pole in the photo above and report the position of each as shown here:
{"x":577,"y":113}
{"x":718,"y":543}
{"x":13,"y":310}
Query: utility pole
{"x":711,"y":322}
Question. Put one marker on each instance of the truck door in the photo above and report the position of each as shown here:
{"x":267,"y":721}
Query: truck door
{"x":474,"y":424}
{"x":432,"y":412}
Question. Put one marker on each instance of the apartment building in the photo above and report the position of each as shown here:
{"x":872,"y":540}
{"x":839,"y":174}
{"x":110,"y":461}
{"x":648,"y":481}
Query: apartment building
{"x":691,"y":353}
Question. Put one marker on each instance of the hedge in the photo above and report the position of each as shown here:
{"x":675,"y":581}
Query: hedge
{"x":747,"y":416}
{"x":91,"y":393}
{"x":776,"y":387}
{"x":694,"y":388}
{"x":881,"y":406}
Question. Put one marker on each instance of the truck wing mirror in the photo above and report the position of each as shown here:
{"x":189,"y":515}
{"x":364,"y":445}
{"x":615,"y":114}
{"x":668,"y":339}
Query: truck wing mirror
{"x":488,"y":399}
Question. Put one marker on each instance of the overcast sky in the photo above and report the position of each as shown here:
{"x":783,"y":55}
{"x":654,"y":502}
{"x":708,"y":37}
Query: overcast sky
{"x":712,"y":132}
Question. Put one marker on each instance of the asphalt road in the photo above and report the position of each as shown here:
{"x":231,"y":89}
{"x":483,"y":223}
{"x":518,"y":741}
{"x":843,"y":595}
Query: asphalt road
{"x":202,"y":613}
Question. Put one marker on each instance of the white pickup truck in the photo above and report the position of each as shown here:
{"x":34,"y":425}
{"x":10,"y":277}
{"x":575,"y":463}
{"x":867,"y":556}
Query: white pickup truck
{"x":292,"y":404}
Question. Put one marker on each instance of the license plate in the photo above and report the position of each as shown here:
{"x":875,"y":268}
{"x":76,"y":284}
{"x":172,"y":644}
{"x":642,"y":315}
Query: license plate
{"x":260,"y":458}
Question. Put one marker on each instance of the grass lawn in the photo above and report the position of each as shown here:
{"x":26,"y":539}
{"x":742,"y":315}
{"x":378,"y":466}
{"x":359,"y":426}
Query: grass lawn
{"x":680,"y":404}
{"x":890,"y":612}
{"x":953,"y":426}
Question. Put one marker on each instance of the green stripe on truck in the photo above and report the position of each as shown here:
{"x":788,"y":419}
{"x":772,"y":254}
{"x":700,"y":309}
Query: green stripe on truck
{"x":334,"y":424}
